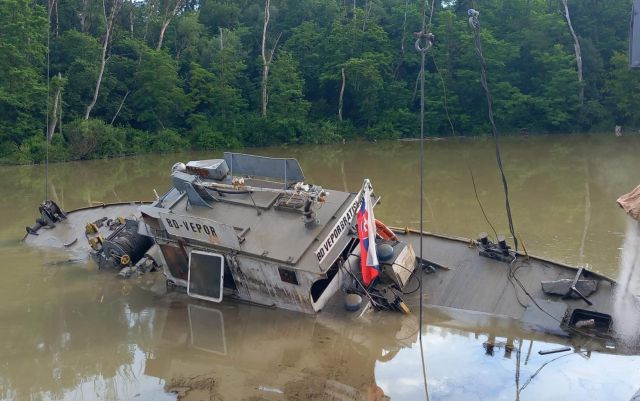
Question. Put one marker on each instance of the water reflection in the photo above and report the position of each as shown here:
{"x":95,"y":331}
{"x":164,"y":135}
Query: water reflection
{"x":70,"y":336}
{"x":255,"y":352}
{"x":458,"y":369}
{"x":141,"y":346}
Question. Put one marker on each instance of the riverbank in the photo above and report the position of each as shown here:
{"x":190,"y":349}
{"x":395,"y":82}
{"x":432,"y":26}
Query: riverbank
{"x":131,"y":143}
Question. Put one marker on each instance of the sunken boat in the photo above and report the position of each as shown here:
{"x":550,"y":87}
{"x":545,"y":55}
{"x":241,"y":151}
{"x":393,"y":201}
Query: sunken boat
{"x":248,"y":228}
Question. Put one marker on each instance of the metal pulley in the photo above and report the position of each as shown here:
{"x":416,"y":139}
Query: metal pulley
{"x":424,"y":41}
{"x":473,"y":19}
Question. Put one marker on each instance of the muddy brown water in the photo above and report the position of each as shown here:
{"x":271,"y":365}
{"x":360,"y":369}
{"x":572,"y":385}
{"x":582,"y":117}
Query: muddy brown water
{"x":68,"y":332}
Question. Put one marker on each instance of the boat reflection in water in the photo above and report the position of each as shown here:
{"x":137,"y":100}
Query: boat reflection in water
{"x":132,"y":344}
{"x":244,"y":352}
{"x":265,"y":354}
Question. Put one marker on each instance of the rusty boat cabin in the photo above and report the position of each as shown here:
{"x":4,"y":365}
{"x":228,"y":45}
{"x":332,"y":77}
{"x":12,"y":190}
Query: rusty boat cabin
{"x":247,"y":227}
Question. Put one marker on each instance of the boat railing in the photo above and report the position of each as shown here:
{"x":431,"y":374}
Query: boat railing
{"x":286,"y":170}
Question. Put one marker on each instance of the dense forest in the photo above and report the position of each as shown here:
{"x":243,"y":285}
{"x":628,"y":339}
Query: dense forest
{"x":103,"y":78}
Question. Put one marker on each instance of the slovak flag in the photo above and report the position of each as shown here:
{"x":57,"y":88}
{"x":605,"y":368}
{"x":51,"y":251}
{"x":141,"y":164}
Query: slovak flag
{"x":367,"y":234}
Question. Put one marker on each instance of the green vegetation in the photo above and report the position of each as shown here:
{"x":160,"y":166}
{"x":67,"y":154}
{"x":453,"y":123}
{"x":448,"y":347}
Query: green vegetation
{"x":130,"y":77}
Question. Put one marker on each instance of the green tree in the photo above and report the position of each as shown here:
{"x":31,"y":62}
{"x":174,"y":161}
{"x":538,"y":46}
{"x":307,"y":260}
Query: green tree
{"x":622,"y":88}
{"x":158,"y":99}
{"x":22,"y":84}
{"x":287,"y":106}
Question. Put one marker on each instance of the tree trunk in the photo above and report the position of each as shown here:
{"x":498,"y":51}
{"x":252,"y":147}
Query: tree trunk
{"x":103,"y":60}
{"x":131,"y":19}
{"x":576,"y":46}
{"x":265,"y":62}
{"x":367,"y":12}
{"x":165,"y":24}
{"x":60,"y":112}
{"x":396,"y":72}
{"x":354,"y":11}
{"x":82,"y":16}
{"x":221,"y":32}
{"x":53,"y":7}
{"x":221,"y":58}
{"x":340,"y":103}
{"x":168,"y":17}
{"x":54,"y":115}
{"x":57,"y":19}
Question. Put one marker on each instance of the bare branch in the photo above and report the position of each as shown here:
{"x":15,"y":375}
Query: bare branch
{"x":168,"y":17}
{"x":265,"y":62}
{"x":108,"y":21}
{"x":576,"y":47}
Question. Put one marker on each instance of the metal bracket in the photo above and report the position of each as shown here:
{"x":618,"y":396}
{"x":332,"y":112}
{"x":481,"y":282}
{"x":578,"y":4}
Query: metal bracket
{"x":573,"y":289}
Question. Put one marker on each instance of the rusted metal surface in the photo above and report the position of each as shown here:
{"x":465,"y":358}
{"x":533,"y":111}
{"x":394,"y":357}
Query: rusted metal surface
{"x":177,"y":261}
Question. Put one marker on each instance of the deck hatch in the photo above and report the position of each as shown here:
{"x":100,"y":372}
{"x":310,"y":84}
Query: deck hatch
{"x":206,"y":276}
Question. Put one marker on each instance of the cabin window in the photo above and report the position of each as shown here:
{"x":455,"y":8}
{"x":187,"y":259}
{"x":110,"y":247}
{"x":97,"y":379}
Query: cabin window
{"x":206,"y":276}
{"x":288,"y":276}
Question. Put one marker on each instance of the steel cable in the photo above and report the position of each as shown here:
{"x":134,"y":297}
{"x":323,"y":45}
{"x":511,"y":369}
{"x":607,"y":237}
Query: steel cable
{"x":423,"y":49}
{"x":475,"y":25}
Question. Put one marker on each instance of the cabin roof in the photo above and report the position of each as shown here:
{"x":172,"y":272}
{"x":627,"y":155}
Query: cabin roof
{"x":268,"y":231}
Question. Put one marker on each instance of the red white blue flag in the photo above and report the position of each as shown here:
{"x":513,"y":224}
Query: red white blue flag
{"x":367,"y":234}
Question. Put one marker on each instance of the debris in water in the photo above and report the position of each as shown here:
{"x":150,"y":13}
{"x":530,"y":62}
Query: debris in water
{"x":554,"y":351}
{"x":585,"y":323}
{"x":196,"y":388}
{"x":270,"y":389}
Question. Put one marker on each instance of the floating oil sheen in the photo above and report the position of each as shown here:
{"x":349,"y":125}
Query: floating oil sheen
{"x":69,"y":332}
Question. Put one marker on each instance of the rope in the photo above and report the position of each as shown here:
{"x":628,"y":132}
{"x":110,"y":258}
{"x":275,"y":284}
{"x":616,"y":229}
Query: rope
{"x":444,"y":92}
{"x":46,"y":134}
{"x":475,"y":190}
{"x":427,"y":38}
{"x":475,"y":26}
{"x":431,"y":13}
{"x":518,"y":358}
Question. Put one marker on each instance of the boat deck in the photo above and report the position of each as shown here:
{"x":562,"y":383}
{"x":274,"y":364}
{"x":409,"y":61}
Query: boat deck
{"x":480,"y":284}
{"x":67,"y":234}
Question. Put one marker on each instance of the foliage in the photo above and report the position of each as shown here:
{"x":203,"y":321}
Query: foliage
{"x":202,"y":89}
{"x":22,"y":89}
{"x":623,"y":87}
